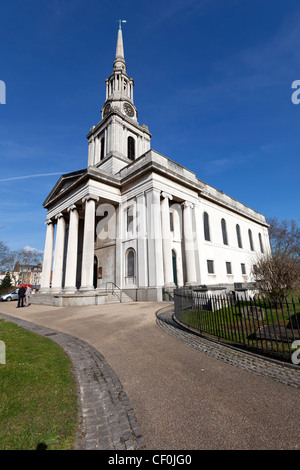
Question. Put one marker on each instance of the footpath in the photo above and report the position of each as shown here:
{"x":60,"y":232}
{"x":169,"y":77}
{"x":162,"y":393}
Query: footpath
{"x":146,"y":383}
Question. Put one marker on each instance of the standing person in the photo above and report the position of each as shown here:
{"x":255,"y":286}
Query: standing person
{"x":27,"y":295}
{"x":21,"y":294}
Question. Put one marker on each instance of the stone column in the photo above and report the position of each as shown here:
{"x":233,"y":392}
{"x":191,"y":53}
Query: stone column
{"x":87,"y":269}
{"x":155,"y":259}
{"x":142,"y":271}
{"x":119,"y":278}
{"x":48,"y":255}
{"x":189,"y":244}
{"x":166,"y":240}
{"x":71,"y":264}
{"x":58,"y":253}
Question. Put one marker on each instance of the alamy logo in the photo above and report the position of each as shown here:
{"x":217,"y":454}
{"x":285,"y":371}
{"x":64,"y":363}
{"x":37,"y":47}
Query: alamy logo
{"x":295,"y":96}
{"x":296,"y":354}
{"x":2,"y":353}
{"x":2,"y":92}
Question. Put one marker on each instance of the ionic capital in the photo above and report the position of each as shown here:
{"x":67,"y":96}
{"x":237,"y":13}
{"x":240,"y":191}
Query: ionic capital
{"x":186,"y":204}
{"x":166,"y":195}
{"x":90,"y":197}
{"x":71,"y":208}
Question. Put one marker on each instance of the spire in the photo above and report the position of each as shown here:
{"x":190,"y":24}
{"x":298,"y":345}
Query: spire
{"x":119,"y":62}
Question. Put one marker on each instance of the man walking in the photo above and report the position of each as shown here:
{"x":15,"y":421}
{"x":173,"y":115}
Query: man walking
{"x":21,"y":294}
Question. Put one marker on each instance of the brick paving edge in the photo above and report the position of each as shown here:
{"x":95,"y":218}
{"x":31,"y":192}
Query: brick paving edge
{"x":106,"y":418}
{"x":288,"y":374}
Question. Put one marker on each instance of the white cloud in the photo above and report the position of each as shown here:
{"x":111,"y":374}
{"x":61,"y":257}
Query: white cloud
{"x":34,"y":250}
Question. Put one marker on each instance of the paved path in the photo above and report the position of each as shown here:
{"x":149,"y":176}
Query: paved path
{"x":147,"y":384}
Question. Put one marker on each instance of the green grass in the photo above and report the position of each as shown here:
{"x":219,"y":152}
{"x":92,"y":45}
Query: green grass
{"x":228,"y":324}
{"x":38,"y":393}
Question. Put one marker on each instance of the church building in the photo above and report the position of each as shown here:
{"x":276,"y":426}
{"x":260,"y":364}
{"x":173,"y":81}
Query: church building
{"x":137,"y":223}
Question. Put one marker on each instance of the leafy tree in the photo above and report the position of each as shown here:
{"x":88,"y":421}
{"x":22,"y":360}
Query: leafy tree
{"x":6,"y":282}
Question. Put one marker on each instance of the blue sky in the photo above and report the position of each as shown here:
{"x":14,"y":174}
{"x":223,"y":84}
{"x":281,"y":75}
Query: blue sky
{"x":213,"y":82}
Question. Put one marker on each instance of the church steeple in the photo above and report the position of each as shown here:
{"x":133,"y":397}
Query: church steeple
{"x":119,"y":86}
{"x":118,"y":138}
{"x":119,"y":63}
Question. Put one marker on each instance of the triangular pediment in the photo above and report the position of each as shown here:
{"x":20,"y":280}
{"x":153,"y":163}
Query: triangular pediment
{"x":65,"y":181}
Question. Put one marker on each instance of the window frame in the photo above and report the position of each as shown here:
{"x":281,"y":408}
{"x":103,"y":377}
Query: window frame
{"x":224,"y":232}
{"x":210,"y":266}
{"x":206,"y":227}
{"x":131,"y":148}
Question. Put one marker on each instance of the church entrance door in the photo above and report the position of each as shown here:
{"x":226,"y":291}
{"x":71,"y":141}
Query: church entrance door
{"x":95,"y":272}
{"x":174,"y":267}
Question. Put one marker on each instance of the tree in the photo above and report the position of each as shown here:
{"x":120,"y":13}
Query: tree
{"x":5,"y":255}
{"x":278,"y":272}
{"x":6,"y":282}
{"x":276,"y":275}
{"x":284,"y":237}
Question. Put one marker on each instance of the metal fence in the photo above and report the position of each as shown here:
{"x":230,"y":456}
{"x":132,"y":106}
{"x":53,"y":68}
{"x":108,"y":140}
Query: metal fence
{"x":257,"y":324}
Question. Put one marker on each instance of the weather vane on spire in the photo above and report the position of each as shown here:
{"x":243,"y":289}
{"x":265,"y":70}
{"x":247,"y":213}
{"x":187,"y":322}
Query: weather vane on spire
{"x":120,"y":23}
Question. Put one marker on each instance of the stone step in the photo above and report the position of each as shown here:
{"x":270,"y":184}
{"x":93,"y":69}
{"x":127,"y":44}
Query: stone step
{"x":115,"y":298}
{"x":58,"y":300}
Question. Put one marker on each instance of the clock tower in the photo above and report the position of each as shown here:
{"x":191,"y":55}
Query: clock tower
{"x":118,"y":139}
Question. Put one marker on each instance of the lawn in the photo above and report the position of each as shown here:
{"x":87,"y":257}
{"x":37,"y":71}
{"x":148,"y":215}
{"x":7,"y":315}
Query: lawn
{"x":38,"y":393}
{"x":274,"y":333}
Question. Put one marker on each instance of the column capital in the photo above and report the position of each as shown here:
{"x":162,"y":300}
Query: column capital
{"x":166,"y":195}
{"x":187,"y":204}
{"x":72,"y":208}
{"x":58,"y":216}
{"x":48,"y":222}
{"x":90,"y":197}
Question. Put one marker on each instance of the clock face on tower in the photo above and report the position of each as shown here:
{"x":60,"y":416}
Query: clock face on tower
{"x":128,"y":109}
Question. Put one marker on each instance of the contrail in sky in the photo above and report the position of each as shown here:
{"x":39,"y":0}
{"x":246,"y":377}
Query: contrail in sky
{"x":30,"y":176}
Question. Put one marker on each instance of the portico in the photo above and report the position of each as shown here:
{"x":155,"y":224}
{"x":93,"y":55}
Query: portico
{"x":110,"y":230}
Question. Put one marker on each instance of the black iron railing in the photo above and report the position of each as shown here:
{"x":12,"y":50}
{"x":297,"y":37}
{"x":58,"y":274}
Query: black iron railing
{"x":258,"y":324}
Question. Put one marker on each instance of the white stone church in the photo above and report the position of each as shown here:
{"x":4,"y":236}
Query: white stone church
{"x":137,"y":222}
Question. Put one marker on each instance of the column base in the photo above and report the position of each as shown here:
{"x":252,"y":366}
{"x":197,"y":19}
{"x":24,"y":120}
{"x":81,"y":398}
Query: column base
{"x":56,"y":290}
{"x":86,"y":288}
{"x":170,"y":285}
{"x":45,"y":290}
{"x":69,"y":290}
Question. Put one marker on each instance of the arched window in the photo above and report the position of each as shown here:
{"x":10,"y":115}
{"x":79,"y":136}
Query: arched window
{"x":131,"y":263}
{"x":261,"y":243}
{"x":206,"y":226}
{"x":102,"y":148}
{"x":238,"y":235}
{"x":250,"y":240}
{"x":131,"y":148}
{"x":224,"y":232}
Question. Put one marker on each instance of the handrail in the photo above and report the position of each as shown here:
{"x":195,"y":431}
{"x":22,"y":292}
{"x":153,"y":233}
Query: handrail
{"x":112,"y":289}
{"x":165,"y":292}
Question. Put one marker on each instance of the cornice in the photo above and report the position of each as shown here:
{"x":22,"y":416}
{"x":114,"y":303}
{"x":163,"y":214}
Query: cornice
{"x":117,"y":112}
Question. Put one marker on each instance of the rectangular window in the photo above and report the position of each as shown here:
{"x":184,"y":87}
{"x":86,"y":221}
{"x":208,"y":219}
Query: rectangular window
{"x":210,"y":266}
{"x":228,"y":267}
{"x":171,"y":222}
{"x":243,"y":267}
